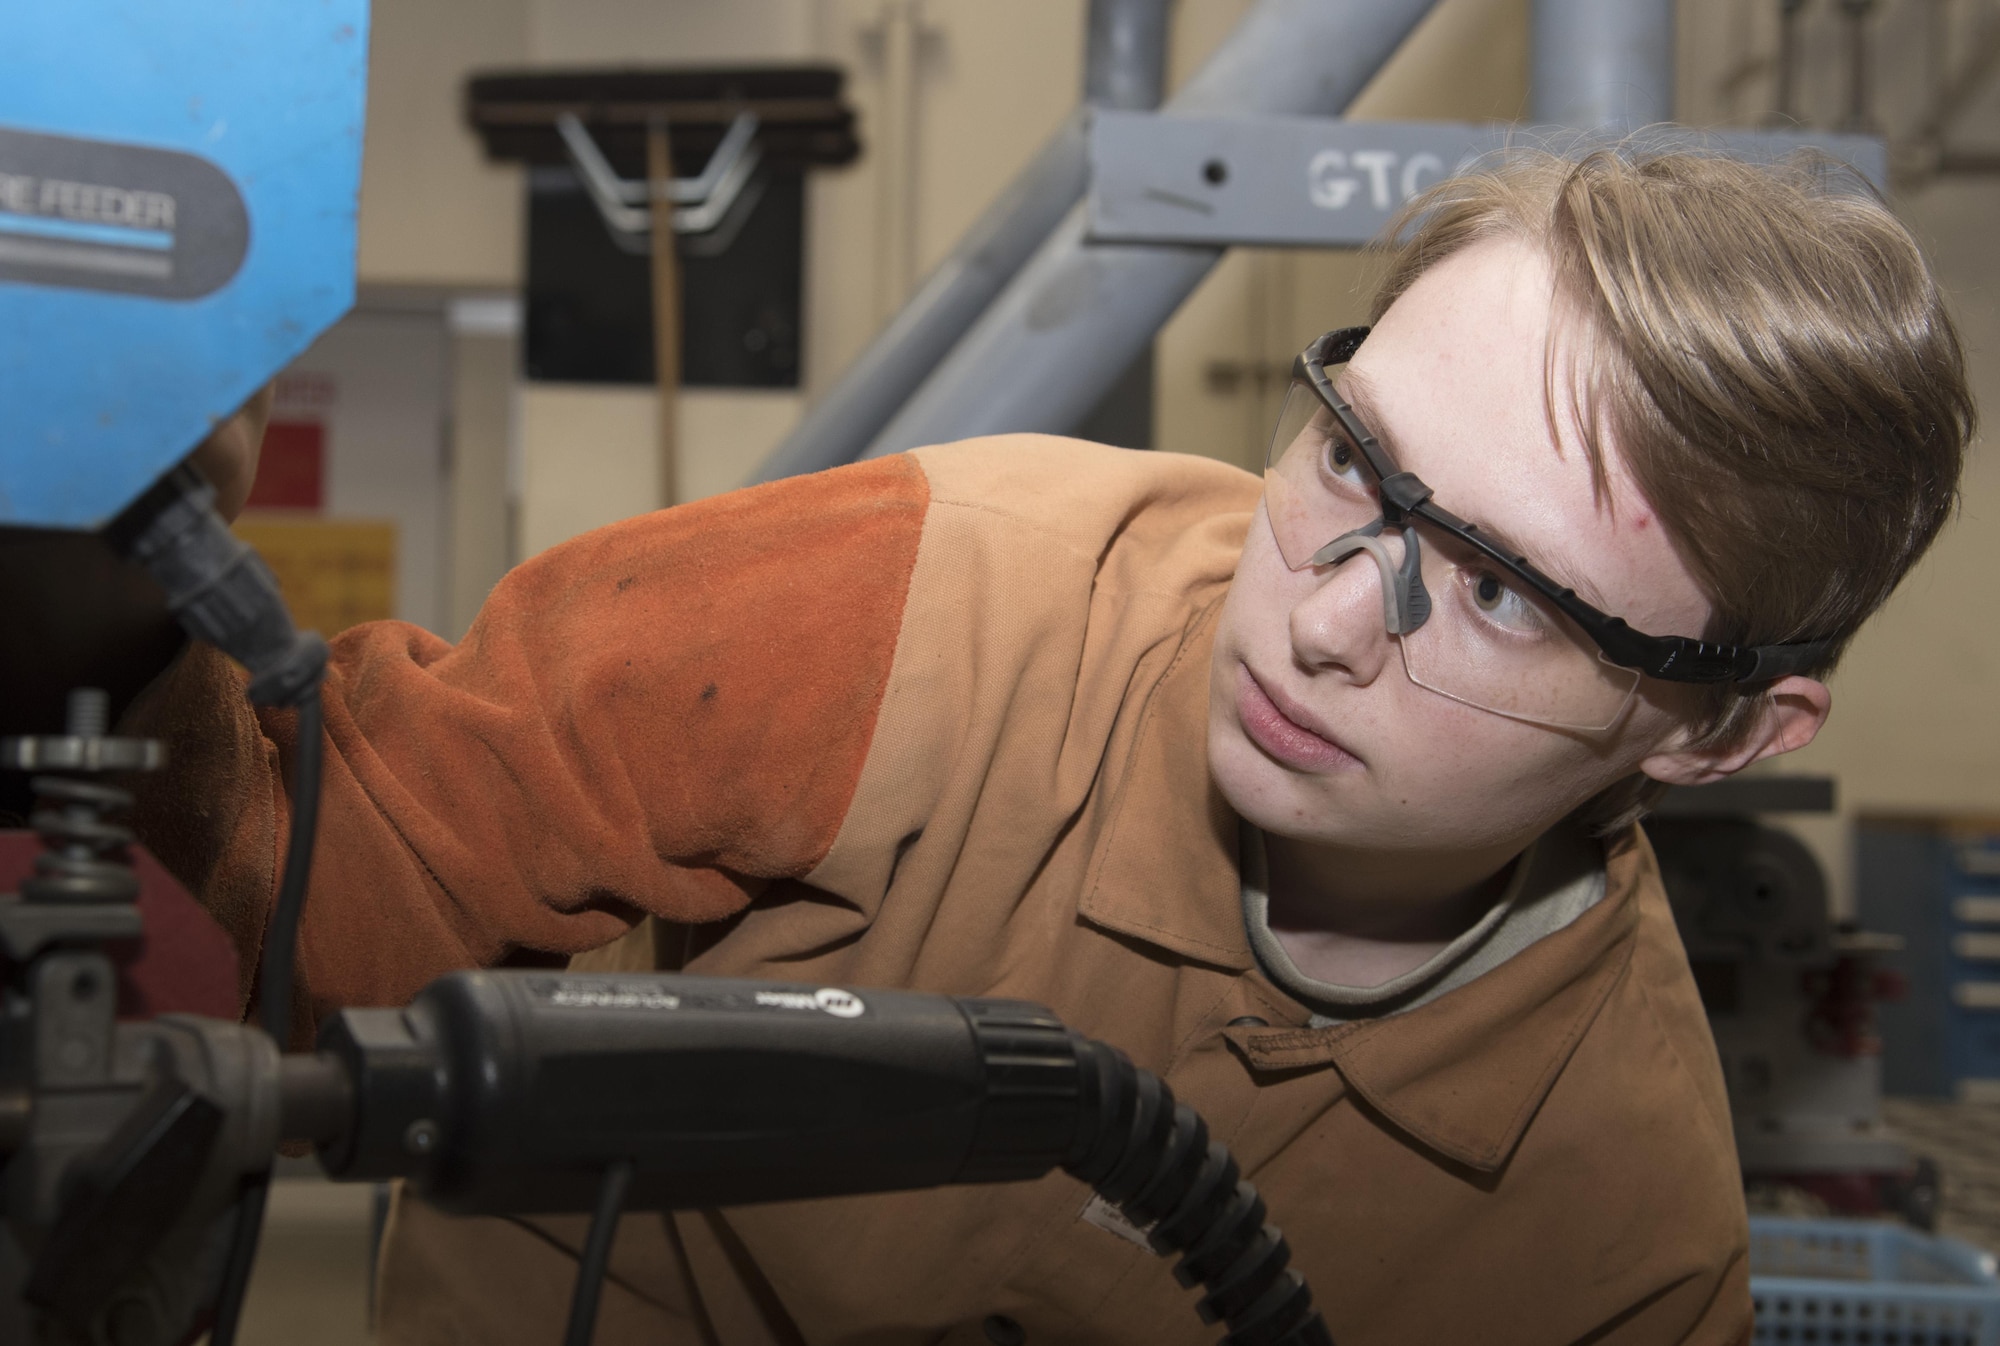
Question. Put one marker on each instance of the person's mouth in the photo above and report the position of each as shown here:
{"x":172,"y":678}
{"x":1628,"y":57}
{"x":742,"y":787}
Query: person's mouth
{"x":1285,"y":730}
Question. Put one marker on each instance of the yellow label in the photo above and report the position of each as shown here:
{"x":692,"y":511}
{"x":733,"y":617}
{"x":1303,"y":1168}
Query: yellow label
{"x":334,"y":572}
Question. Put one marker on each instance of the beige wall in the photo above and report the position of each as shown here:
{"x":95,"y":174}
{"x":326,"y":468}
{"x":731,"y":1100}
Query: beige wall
{"x":1915,"y":723}
{"x":483,"y":365}
{"x":589,"y":453}
{"x":642,"y":32}
{"x":433,"y":211}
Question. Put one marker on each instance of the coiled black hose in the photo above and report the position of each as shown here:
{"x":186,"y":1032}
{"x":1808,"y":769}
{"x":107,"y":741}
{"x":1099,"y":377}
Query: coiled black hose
{"x":1151,"y":1157}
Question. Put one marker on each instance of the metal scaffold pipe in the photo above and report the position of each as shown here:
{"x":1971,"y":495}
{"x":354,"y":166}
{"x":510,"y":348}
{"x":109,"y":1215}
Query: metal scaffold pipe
{"x":1124,"y":67}
{"x":1125,"y":53}
{"x":1602,"y":64}
{"x":1078,"y":313}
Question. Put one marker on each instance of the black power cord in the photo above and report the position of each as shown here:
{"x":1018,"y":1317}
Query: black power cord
{"x":597,"y":1254}
{"x":224,"y":594}
{"x":242,"y":1257}
{"x":275,"y":979}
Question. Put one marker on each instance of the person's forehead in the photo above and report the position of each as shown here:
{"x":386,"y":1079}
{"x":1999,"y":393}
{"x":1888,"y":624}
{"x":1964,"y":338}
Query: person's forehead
{"x":1454,"y":380}
{"x":1499,"y":490}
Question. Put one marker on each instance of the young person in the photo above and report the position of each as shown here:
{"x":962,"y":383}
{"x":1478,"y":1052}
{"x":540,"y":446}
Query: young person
{"x":1315,"y":794}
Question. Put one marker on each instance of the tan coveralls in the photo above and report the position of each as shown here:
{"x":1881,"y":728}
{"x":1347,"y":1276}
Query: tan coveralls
{"x":938,"y":722}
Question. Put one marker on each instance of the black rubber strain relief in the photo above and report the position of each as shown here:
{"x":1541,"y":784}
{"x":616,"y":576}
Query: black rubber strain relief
{"x":284,"y":682}
{"x":1280,"y":1314}
{"x":218,"y":587}
{"x":1033,"y":1091}
{"x":1226,"y":1238}
{"x":164,"y":498}
{"x":1092,"y":1080}
{"x":1115,"y":1126}
{"x":1247,"y":1278}
{"x":1175,"y":1171}
{"x":1117,"y":1080}
{"x":1152,"y":1124}
{"x":1203,"y":1202}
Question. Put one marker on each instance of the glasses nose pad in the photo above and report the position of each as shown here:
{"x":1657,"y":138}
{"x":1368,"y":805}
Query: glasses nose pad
{"x":1394,"y":586}
{"x":1326,"y":556}
{"x":1411,"y":596}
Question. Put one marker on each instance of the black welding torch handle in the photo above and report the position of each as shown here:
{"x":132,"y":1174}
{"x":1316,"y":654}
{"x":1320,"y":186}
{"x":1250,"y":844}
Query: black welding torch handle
{"x":516,"y":1092}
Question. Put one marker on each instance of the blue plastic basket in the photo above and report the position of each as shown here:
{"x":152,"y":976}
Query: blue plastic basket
{"x":1866,"y":1283}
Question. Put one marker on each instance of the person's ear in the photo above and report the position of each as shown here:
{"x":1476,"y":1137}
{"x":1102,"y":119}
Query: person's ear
{"x":1792,"y":711}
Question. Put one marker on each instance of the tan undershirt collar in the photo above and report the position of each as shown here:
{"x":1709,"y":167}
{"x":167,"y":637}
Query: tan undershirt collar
{"x":1556,"y":880}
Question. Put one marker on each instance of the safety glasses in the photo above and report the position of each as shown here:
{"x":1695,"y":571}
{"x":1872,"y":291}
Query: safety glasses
{"x":1475,"y":622}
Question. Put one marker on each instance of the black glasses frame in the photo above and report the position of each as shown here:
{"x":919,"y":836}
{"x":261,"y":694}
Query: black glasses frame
{"x":1404,"y":495}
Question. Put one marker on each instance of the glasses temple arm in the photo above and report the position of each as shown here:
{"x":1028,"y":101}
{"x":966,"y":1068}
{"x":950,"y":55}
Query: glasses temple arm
{"x":1668,"y":658}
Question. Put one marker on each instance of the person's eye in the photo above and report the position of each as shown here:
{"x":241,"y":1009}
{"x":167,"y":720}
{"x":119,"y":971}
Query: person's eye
{"x":1503,"y":604}
{"x":1342,"y":464}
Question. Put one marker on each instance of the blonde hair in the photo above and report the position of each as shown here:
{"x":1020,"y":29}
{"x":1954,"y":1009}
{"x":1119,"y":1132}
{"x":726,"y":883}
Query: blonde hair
{"x":1772,"y":359}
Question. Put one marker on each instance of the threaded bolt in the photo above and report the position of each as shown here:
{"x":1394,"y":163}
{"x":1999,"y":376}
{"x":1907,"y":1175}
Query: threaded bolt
{"x":89,"y":713}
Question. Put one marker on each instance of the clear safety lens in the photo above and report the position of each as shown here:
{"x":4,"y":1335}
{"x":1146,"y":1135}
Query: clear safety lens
{"x":1488,"y":640}
{"x":1492,"y":642}
{"x":1316,"y":486}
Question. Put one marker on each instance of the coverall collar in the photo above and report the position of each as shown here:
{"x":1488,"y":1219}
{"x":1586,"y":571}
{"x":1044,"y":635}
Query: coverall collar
{"x":1461,"y":1075}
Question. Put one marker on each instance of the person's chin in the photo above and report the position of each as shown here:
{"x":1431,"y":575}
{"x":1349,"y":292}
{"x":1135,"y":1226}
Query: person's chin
{"x":1261,"y":792}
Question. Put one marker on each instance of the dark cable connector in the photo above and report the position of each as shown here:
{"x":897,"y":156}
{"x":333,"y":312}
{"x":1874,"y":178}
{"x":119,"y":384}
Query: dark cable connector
{"x":218,"y":587}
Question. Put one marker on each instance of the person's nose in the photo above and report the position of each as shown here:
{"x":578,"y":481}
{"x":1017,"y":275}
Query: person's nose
{"x":1338,"y":626}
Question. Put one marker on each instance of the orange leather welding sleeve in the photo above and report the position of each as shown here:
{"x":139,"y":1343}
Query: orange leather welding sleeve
{"x":654,"y":718}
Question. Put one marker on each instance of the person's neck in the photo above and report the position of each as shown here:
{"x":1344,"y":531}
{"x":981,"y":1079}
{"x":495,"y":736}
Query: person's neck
{"x":1363,"y":918}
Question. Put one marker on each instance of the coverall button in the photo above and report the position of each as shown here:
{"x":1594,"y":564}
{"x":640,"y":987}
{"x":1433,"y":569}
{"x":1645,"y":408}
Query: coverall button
{"x":1003,"y":1331}
{"x":1248,"y":1021}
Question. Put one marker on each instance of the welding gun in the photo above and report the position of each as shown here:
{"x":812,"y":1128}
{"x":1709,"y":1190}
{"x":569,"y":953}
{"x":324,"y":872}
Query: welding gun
{"x":516,"y":1091}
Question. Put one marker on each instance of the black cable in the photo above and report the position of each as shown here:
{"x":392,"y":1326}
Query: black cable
{"x":281,"y":936}
{"x":274,"y":991}
{"x":1151,"y":1157}
{"x":242,"y":1256}
{"x":597,"y":1254}
{"x":224,"y":594}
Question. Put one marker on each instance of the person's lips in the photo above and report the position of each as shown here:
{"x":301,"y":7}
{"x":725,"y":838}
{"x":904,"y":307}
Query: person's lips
{"x":1278,"y":730}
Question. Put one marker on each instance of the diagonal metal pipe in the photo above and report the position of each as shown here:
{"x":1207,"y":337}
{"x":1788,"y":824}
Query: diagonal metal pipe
{"x":1078,"y":313}
{"x":1124,"y":67}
